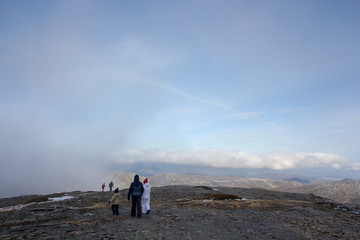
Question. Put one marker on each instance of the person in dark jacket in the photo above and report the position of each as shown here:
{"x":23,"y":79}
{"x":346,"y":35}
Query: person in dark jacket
{"x":111,"y":186}
{"x":136,"y":190}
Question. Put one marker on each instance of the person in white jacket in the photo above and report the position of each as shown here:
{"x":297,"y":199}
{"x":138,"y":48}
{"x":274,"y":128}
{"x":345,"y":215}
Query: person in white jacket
{"x":145,"y":199}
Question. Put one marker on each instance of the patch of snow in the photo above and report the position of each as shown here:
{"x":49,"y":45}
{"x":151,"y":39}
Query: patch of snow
{"x":20,"y":206}
{"x":215,"y":189}
{"x":207,"y":200}
{"x":60,"y":198}
{"x":12,"y":208}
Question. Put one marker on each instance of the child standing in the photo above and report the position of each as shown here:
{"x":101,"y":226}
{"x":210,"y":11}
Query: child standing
{"x":115,"y":201}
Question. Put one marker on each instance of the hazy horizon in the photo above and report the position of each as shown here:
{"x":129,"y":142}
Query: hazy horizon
{"x":87,"y":86}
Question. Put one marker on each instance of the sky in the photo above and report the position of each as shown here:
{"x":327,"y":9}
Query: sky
{"x":229,"y":84}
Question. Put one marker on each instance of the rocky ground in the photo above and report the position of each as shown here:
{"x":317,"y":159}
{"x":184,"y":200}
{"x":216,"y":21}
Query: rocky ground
{"x":180,"y":212}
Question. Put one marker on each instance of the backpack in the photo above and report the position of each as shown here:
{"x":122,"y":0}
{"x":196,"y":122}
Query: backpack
{"x":136,"y":192}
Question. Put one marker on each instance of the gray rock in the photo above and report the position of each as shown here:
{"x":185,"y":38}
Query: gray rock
{"x":181,"y":212}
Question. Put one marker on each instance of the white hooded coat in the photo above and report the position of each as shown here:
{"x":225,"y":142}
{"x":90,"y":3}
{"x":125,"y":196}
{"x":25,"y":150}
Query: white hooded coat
{"x":145,"y":198}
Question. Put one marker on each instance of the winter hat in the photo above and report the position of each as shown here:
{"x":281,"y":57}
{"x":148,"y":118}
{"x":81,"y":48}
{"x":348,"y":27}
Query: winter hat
{"x":136,"y":178}
{"x":145,"y":181}
{"x":116,"y":190}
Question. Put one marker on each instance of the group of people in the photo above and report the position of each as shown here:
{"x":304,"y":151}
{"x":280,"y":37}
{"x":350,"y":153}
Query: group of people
{"x":111,"y":185}
{"x":140,"y":196}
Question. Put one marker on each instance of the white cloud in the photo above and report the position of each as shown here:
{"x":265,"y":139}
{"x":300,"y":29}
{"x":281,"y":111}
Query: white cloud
{"x":235,"y":159}
{"x":356,"y":165}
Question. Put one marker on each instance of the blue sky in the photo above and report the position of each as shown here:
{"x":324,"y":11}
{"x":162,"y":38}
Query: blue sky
{"x":218,"y":83}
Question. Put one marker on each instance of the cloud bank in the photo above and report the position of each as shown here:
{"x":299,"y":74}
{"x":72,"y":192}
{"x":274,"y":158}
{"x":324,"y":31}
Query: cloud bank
{"x":235,"y":159}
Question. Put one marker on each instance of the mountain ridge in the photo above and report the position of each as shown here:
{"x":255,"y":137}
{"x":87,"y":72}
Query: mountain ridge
{"x":343,"y":191}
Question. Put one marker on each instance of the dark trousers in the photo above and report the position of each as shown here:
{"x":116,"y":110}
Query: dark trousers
{"x":115,"y":209}
{"x":136,"y":206}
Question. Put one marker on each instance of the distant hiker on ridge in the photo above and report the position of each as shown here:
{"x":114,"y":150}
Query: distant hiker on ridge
{"x":136,"y":190}
{"x":103,"y":186}
{"x":111,"y":185}
{"x":115,"y":201}
{"x":145,"y":199}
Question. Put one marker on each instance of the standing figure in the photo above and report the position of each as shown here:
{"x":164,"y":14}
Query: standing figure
{"x":115,"y":201}
{"x":145,"y":199}
{"x":111,"y":185}
{"x":103,"y":186}
{"x":136,"y":190}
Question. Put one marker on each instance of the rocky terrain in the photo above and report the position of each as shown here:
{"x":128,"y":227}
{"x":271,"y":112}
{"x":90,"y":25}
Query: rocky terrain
{"x":180,"y":212}
{"x":344,"y":191}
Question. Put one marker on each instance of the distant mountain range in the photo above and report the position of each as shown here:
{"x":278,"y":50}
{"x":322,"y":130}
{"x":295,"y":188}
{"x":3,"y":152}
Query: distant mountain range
{"x":343,"y":191}
{"x":225,"y":181}
{"x":320,"y":174}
